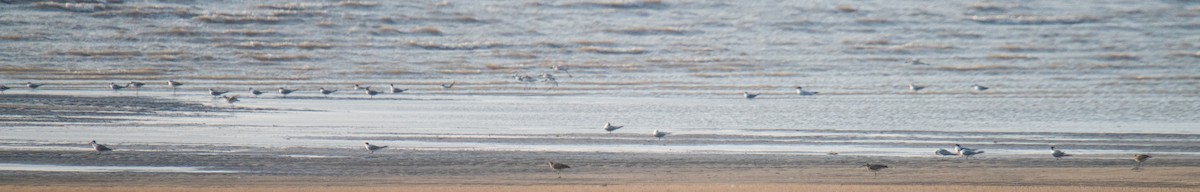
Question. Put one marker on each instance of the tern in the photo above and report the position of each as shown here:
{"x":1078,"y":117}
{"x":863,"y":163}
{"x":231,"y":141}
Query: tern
{"x":967,"y":153}
{"x":372,"y":148}
{"x":980,"y":88}
{"x":326,"y":92}
{"x":99,"y":148}
{"x":356,"y":87}
{"x":801,"y":91}
{"x":915,"y":88}
{"x":255,"y":92}
{"x":230,"y":100}
{"x":116,"y":87}
{"x":285,"y":92}
{"x":137,"y":86}
{"x":215,"y":93}
{"x":660,"y":134}
{"x":32,"y":86}
{"x":610,"y":128}
{"x":750,"y":96}
{"x":370,"y":92}
{"x":1057,"y":153}
{"x":396,"y":90}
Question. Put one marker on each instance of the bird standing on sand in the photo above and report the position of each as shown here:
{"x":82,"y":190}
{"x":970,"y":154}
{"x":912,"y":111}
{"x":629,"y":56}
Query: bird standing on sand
{"x":99,"y":148}
{"x":137,"y":86}
{"x":875,"y":168}
{"x":967,"y":153}
{"x":1139,"y":158}
{"x":1057,"y":153}
{"x":115,"y":87}
{"x":215,"y":93}
{"x":396,"y":90}
{"x":750,"y":96}
{"x":326,"y":92}
{"x":370,"y":92}
{"x":558,"y":167}
{"x":448,"y":86}
{"x":610,"y":128}
{"x":980,"y":88}
{"x":356,"y":87}
{"x":372,"y":148}
{"x":960,"y":148}
{"x":230,"y":100}
{"x":173,"y":85}
{"x":285,"y":92}
{"x":800,"y":90}
{"x":3,"y":88}
{"x":255,"y":92}
{"x":915,"y":88}
{"x":660,"y":134}
{"x":32,"y":86}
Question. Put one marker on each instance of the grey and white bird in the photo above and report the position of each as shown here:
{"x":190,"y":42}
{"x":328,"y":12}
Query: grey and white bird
{"x":373,"y":148}
{"x":137,"y":86}
{"x":800,"y":90}
{"x":174,"y":85}
{"x":356,"y":87}
{"x":563,"y":69}
{"x":396,"y":90}
{"x":285,"y":92}
{"x":1140,"y":158}
{"x":1057,"y":153}
{"x":370,"y":92}
{"x":875,"y":168}
{"x":115,"y":87}
{"x":610,"y":128}
{"x":660,"y":134}
{"x":549,"y":78}
{"x":915,"y":61}
{"x":215,"y":93}
{"x":944,"y":152}
{"x":255,"y":92}
{"x":915,"y":88}
{"x":558,"y":167}
{"x":3,"y":88}
{"x":967,"y":153}
{"x":32,"y":86}
{"x":980,"y":88}
{"x":229,"y":99}
{"x":326,"y":92}
{"x":750,"y":96}
{"x":960,"y":148}
{"x":98,"y":147}
{"x":448,"y":86}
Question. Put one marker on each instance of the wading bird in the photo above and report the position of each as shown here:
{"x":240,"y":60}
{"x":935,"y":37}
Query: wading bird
{"x":215,"y":93}
{"x":563,"y":69}
{"x":558,"y":167}
{"x":173,"y":85}
{"x":99,"y":148}
{"x":370,"y":92}
{"x":137,"y":86}
{"x":32,"y":86}
{"x":1139,"y":158}
{"x":115,"y":87}
{"x":1057,"y":154}
{"x":372,"y":148}
{"x":255,"y":92}
{"x":285,"y":92}
{"x":875,"y":168}
{"x":326,"y":92}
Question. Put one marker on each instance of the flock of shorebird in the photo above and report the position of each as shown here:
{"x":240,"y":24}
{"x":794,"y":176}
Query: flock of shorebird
{"x":550,"y":79}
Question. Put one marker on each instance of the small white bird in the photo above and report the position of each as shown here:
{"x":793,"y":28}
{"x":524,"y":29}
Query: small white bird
{"x":915,"y":88}
{"x":285,"y":92}
{"x":372,"y":148}
{"x":326,"y":92}
{"x":610,"y":128}
{"x":215,"y":93}
{"x":750,"y":96}
{"x":99,"y":148}
{"x":800,"y":90}
{"x":979,"y":88}
{"x":660,"y":134}
{"x":396,"y":90}
{"x":255,"y":92}
{"x":1057,"y":153}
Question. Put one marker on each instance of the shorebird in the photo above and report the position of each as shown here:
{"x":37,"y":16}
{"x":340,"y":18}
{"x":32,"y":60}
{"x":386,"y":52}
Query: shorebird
{"x":1057,"y":154}
{"x":215,"y":93}
{"x":326,"y":92}
{"x":750,"y":96}
{"x":1140,"y":158}
{"x":610,"y":128}
{"x":525,"y":79}
{"x":285,"y":92}
{"x":800,"y":90}
{"x":115,"y":87}
{"x":660,"y":134}
{"x":137,"y":86}
{"x":980,"y":88}
{"x":563,"y":69}
{"x":32,"y":86}
{"x":915,"y":61}
{"x":255,"y":92}
{"x":451,"y":85}
{"x":356,"y":87}
{"x":230,"y":100}
{"x":915,"y":88}
{"x":372,"y":148}
{"x":967,"y":153}
{"x":372,"y":93}
{"x":99,"y":148}
{"x":875,"y":168}
{"x":960,"y":148}
{"x":396,"y":90}
{"x":3,"y":88}
{"x":548,"y":78}
{"x":558,"y":167}
{"x":944,"y":152}
{"x":173,"y":85}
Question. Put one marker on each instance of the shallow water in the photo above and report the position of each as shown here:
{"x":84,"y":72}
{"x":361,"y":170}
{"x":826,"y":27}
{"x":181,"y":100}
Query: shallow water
{"x":1106,"y":77}
{"x":72,"y":168}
